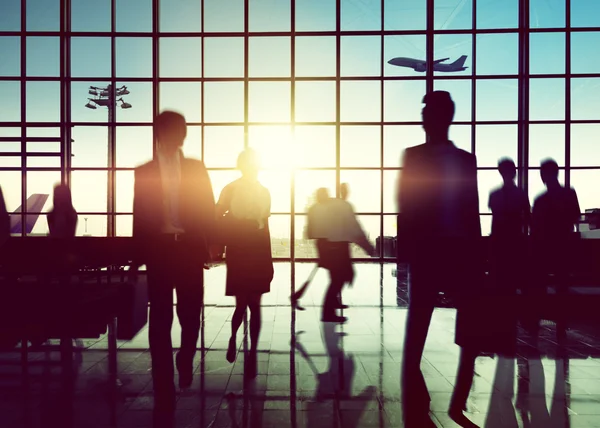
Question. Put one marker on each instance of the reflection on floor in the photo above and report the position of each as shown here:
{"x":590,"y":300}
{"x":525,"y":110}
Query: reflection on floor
{"x":311,"y":374}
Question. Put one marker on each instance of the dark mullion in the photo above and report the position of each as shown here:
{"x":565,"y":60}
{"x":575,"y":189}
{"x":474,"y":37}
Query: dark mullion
{"x":523,"y":125}
{"x":293,"y":133}
{"x":202,"y":59}
{"x":568,"y":94}
{"x":112,"y":128}
{"x":338,"y":89}
{"x":474,"y":80}
{"x":429,"y":46}
{"x":23,"y":114}
{"x":246,"y":70}
{"x":381,"y":136}
{"x":63,"y":102}
{"x":68,"y":135}
{"x":155,"y":68}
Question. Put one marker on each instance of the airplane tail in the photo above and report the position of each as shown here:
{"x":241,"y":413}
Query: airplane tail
{"x":35,"y":204}
{"x":460,"y":62}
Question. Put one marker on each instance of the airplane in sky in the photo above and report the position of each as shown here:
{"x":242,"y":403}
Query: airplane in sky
{"x":35,"y":204}
{"x":421,"y":66}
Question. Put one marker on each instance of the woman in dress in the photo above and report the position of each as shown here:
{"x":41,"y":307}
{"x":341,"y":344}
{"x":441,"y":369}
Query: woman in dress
{"x":62,"y":220}
{"x":244,"y":208}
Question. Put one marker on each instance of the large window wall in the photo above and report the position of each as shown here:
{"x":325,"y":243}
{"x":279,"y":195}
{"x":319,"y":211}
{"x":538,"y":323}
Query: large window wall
{"x":307,"y":83}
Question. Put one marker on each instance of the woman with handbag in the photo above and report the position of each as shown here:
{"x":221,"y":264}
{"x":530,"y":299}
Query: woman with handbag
{"x":243,"y":210}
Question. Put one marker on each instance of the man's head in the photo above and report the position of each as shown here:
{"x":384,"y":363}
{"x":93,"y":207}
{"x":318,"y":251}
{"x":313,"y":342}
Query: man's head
{"x":248,"y":163}
{"x":344,"y":191}
{"x":549,"y":171}
{"x":62,"y":196}
{"x":171,"y":130}
{"x":507,"y":169}
{"x":322,"y":195}
{"x":438,"y":112}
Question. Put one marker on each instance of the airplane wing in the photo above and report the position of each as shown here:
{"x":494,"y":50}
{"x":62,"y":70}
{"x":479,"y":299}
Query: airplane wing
{"x":437,"y":61}
{"x":35,"y":204}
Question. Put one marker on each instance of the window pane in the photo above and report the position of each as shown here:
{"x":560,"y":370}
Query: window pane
{"x":491,"y":14}
{"x":134,"y":146}
{"x":315,"y":15}
{"x":581,"y":60}
{"x":460,"y":135}
{"x":411,"y":47}
{"x":486,"y":224}
{"x":390,"y":191}
{"x":396,"y":138}
{"x":487,"y":181}
{"x":405,"y":15}
{"x":360,"y":101}
{"x":304,"y":248}
{"x":497,"y":99}
{"x":222,"y":144}
{"x":134,"y":57}
{"x":124,"y":225}
{"x":307,"y":183}
{"x":460,"y":91}
{"x":364,"y":15}
{"x":585,"y":184}
{"x":453,"y":14}
{"x":269,"y":15}
{"x":493,"y":142}
{"x":218,"y":65}
{"x":89,"y":190}
{"x":220,"y":179}
{"x":223,"y":101}
{"x":134,"y":17}
{"x":180,"y":57}
{"x":10,"y":182}
{"x":547,"y":99}
{"x":315,"y":56}
{"x":11,"y":51}
{"x":269,"y":57}
{"x":536,"y":186}
{"x":361,"y":56}
{"x":315,"y":146}
{"x":365,"y":190}
{"x":547,"y":13}
{"x":279,"y":185}
{"x":10,"y":104}
{"x":192,"y":146}
{"x":585,"y":99}
{"x":140,"y":101}
{"x":223,"y":15}
{"x":90,"y":15}
{"x":498,"y":53}
{"x":80,"y":97}
{"x":42,"y":15}
{"x":124,"y":193}
{"x":585,"y":13}
{"x":453,"y":47}
{"x":411,"y":93}
{"x":269,"y":101}
{"x":43,"y":55}
{"x":546,"y":141}
{"x":90,"y":146}
{"x":43,"y":101}
{"x":584,"y":144}
{"x":10,"y":18}
{"x":279,"y":226}
{"x":43,"y":182}
{"x":179,"y":16}
{"x":91,"y":225}
{"x":184,"y":97}
{"x":547,"y":53}
{"x":274,"y":146}
{"x":315,"y":101}
{"x":90,"y":57}
{"x":360,"y":146}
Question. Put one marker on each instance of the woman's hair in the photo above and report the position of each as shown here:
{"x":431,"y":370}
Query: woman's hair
{"x":62,"y":197}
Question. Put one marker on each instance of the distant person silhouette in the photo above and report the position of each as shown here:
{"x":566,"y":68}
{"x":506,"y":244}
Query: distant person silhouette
{"x":4,"y":220}
{"x":344,"y":191}
{"x":173,"y":225}
{"x":440,"y":230}
{"x":62,"y":219}
{"x":247,"y":205}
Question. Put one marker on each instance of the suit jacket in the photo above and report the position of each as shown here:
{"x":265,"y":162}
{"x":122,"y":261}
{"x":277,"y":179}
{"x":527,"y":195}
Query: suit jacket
{"x":196,"y":207}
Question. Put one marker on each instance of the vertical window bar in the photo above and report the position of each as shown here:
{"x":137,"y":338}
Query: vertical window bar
{"x":202,"y":82}
{"x":23,"y":116}
{"x":292,"y":172}
{"x":246,"y":66}
{"x":381,"y":145}
{"x":474,"y":79}
{"x":523,"y":93}
{"x":155,"y":65}
{"x":568,"y":94}
{"x":429,"y":45}
{"x":66,"y":87}
{"x":112,"y":129}
{"x":338,"y":88}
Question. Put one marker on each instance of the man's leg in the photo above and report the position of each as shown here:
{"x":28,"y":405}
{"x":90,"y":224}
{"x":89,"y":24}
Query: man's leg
{"x":331,"y":297}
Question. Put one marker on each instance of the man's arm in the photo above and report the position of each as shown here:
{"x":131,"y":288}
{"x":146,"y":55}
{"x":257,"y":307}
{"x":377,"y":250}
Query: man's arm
{"x":138,"y":221}
{"x":473,"y":198}
{"x":209,"y":218}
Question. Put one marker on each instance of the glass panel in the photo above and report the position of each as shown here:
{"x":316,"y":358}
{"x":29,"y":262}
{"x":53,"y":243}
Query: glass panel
{"x":547,"y":53}
{"x":43,"y":101}
{"x":460,"y":91}
{"x":11,"y":51}
{"x":360,"y":146}
{"x":493,"y":142}
{"x":89,"y":190}
{"x":139,"y":100}
{"x":487,"y":182}
{"x":218,"y":65}
{"x":363,"y":15}
{"x":180,"y":57}
{"x":183,"y":97}
{"x":220,"y":179}
{"x":371,"y":224}
{"x":134,"y":56}
{"x":134,"y":17}
{"x":91,"y":225}
{"x":180,"y":16}
{"x":279,"y":226}
{"x":486,"y":224}
{"x":503,"y":92}
{"x":134,"y":146}
{"x":405,"y":15}
{"x":546,"y":141}
{"x":269,"y":15}
{"x":491,"y":14}
{"x":315,"y":56}
{"x":223,"y":15}
{"x":584,"y":144}
{"x":43,"y":54}
{"x":361,"y":56}
{"x":365,"y":190}
{"x":269,"y":57}
{"x":585,"y":99}
{"x":90,"y":56}
{"x":360,"y":101}
{"x":546,"y":99}
{"x":315,"y":15}
{"x":396,"y":138}
{"x":547,"y":13}
{"x":42,"y":15}
{"x":455,"y":50}
{"x":411,"y":93}
{"x":581,"y":60}
{"x":40,"y":227}
{"x":10,"y":183}
{"x":315,"y":101}
{"x":585,"y":184}
{"x":536,"y":186}
{"x":80,"y":98}
{"x":10,"y":103}
{"x":585,"y":13}
{"x":124,"y":192}
{"x":43,"y":161}
{"x":124,"y":225}
{"x":274,"y":146}
{"x":304,"y":248}
{"x":223,"y":101}
{"x":460,"y":135}
{"x":222,"y":144}
{"x":307,"y":183}
{"x":453,"y":14}
{"x":498,"y":53}
{"x":398,"y":53}
{"x":192,"y":146}
{"x":10,"y":18}
{"x":315,"y":146}
{"x":269,"y":101}
{"x":43,"y":182}
{"x":279,"y":185}
{"x":390,"y":190}
{"x":89,"y":15}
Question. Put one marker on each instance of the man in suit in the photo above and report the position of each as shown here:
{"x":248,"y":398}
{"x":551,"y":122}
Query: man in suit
{"x":173,"y":217}
{"x":439,"y":228}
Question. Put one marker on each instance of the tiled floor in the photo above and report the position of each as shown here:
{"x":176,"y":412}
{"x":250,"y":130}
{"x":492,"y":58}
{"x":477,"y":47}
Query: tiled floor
{"x":332,"y":376}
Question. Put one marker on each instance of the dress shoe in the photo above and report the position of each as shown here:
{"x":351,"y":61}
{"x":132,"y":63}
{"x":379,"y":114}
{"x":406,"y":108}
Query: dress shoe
{"x":231,"y":350}
{"x":185,"y":367}
{"x":334,"y":318}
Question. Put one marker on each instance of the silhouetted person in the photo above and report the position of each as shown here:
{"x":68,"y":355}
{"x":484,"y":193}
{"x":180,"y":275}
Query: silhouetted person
{"x":247,"y":205}
{"x":4,"y":220}
{"x":344,"y":191}
{"x":440,"y":229}
{"x":509,"y":205}
{"x":173,"y":219}
{"x":62,"y":219}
